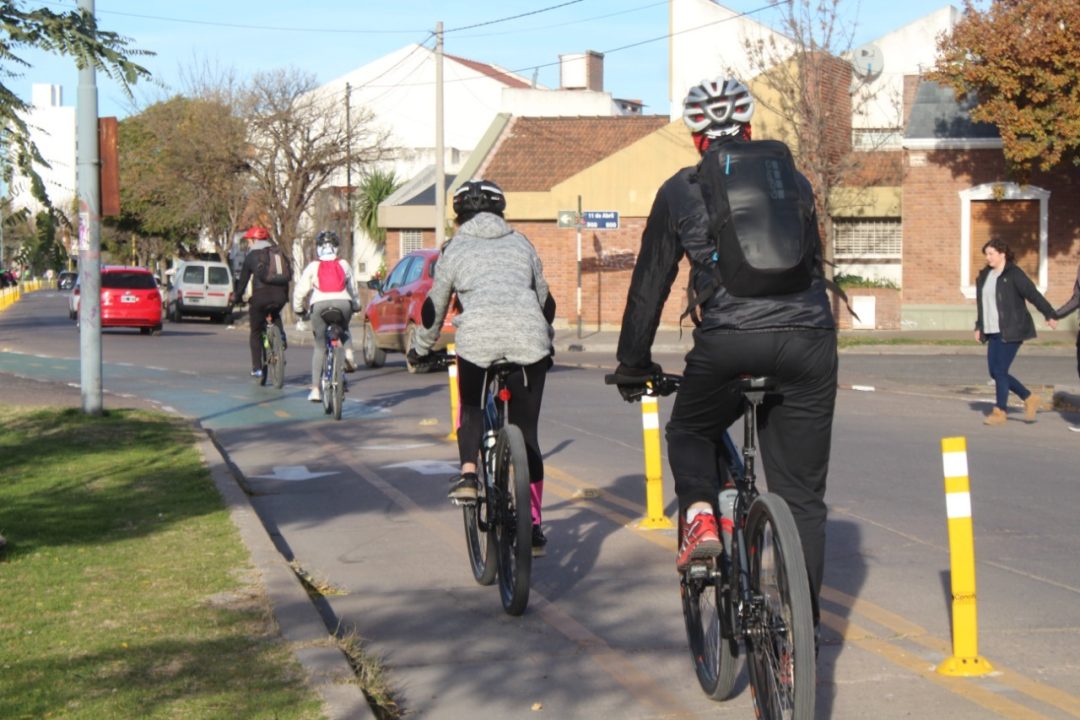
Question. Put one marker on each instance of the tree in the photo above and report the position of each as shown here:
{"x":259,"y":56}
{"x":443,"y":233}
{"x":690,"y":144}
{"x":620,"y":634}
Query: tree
{"x":375,"y":186}
{"x":183,"y":167}
{"x":73,"y":33}
{"x":298,"y":142}
{"x":1021,"y":61}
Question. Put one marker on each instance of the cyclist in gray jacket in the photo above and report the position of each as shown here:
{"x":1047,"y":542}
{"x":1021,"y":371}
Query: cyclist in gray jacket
{"x":499,"y":281}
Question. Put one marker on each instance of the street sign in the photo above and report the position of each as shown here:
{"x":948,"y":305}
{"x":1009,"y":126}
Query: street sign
{"x":568,"y":219}
{"x":601,"y":219}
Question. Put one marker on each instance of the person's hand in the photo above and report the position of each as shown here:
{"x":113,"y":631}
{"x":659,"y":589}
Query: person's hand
{"x":978,"y":336}
{"x":636,"y":380}
{"x":1052,"y":322}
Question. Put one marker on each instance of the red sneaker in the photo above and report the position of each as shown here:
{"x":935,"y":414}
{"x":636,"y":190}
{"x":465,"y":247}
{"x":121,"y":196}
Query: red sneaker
{"x":701,"y":542}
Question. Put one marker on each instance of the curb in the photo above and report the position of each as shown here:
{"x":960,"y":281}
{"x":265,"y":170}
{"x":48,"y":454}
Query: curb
{"x":327,"y":670}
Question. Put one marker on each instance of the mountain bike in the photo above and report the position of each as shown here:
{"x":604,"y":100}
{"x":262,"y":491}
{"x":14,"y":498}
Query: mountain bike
{"x":332,"y":383}
{"x":756,"y":594}
{"x":273,"y":354}
{"x":498,"y":525}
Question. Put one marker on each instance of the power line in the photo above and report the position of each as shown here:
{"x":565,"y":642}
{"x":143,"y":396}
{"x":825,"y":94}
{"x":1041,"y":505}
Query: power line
{"x":571,"y":22}
{"x":513,"y":17}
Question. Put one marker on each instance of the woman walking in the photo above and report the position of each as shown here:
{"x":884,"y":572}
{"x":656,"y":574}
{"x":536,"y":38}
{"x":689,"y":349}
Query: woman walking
{"x":1004,"y":323}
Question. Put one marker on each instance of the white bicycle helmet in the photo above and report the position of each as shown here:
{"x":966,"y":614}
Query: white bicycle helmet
{"x":718,"y":108}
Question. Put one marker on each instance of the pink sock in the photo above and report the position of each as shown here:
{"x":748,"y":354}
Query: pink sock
{"x":536,"y":493}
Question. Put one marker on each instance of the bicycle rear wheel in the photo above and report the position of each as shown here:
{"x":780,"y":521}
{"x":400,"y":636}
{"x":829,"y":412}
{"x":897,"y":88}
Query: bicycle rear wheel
{"x":326,"y":382}
{"x":479,"y":533}
{"x":513,"y":521}
{"x":780,"y":632}
{"x":264,"y":363}
{"x":337,"y":381}
{"x":707,"y":612}
{"x":275,"y":361}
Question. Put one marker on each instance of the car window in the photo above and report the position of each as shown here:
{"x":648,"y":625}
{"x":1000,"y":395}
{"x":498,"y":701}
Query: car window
{"x":397,"y":276}
{"x":127,"y":281}
{"x":219,"y":276}
{"x":414,"y":272}
{"x":193,"y":274}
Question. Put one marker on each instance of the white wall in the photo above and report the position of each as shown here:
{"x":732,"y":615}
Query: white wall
{"x":531,"y":102}
{"x":52,"y":128}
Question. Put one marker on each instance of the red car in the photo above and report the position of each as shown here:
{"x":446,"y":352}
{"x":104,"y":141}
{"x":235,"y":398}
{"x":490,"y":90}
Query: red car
{"x":393,"y":315}
{"x":129,"y":298}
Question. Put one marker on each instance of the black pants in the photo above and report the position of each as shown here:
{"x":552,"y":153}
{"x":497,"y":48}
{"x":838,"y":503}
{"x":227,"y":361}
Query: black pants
{"x":258,"y":307}
{"x":526,"y":393}
{"x":794,"y":424}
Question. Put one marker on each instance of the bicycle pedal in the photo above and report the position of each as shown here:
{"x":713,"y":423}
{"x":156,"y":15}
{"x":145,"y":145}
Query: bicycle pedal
{"x":698,"y":571}
{"x":462,"y":502}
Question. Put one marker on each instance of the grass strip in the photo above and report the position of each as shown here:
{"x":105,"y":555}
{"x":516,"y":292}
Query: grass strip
{"x":125,"y":590}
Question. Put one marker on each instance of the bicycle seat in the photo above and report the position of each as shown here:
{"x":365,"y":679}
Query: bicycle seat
{"x":755,"y":383}
{"x":332,"y":316}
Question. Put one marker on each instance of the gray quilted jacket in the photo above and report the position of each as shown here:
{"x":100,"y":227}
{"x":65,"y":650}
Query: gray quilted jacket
{"x":500,"y":284}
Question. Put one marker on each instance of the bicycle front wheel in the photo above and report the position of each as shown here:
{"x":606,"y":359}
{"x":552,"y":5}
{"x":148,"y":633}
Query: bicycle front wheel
{"x":707,"y":612}
{"x":780,"y":632}
{"x":275,"y":360}
{"x":337,"y":382}
{"x":513,"y":520}
{"x":264,"y":363}
{"x":479,"y":534}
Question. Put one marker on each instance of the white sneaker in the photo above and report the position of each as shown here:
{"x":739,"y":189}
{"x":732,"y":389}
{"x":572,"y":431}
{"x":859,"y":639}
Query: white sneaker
{"x":315,"y":395}
{"x":350,"y":360}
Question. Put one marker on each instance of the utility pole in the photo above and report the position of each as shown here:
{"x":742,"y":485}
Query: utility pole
{"x":440,"y":171}
{"x":89,"y":185}
{"x":348,"y":173}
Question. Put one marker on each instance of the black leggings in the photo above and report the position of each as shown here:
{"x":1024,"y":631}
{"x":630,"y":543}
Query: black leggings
{"x":526,"y":393}
{"x":258,"y":307}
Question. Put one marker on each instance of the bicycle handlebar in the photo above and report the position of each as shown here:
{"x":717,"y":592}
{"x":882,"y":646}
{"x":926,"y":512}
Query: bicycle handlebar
{"x":658,"y":385}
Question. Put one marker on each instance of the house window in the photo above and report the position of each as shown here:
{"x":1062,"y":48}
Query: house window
{"x":867,"y":239}
{"x":411,"y":240}
{"x":1018,"y":215}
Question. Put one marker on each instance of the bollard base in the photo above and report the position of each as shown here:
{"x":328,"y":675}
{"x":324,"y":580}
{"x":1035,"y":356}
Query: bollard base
{"x":655,"y":523}
{"x":452,"y":437}
{"x":965,"y":666}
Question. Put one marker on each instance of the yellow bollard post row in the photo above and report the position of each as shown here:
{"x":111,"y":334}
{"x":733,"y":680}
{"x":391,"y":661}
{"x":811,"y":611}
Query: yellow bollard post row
{"x":455,"y":400}
{"x":965,"y":660}
{"x":654,"y":519}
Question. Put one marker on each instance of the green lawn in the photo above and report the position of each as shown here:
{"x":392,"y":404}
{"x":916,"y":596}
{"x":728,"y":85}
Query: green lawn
{"x":125,"y":591}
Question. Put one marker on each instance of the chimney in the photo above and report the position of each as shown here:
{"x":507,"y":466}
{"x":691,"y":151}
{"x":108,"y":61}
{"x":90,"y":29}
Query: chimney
{"x":582,"y":71}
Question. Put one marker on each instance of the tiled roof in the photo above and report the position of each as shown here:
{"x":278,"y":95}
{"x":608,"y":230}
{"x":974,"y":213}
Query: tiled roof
{"x":491,"y":71}
{"x":937,"y":115}
{"x":536,"y":153}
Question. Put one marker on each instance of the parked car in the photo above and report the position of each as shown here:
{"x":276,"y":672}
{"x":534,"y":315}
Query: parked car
{"x":392,"y":316}
{"x":66,"y":279}
{"x":200,"y":287}
{"x":129,"y":298}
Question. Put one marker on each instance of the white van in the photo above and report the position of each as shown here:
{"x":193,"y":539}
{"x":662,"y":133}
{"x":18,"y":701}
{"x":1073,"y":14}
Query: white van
{"x":200,"y":287}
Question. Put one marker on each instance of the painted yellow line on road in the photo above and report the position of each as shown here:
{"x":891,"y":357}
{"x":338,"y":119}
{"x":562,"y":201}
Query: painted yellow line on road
{"x":282,"y":414}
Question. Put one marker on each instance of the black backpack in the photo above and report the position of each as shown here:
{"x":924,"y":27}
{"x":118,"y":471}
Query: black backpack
{"x":275,"y":268}
{"x":758,"y":219}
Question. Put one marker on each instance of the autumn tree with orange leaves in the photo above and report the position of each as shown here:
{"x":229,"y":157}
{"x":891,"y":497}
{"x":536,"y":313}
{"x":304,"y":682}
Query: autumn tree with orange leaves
{"x":1020,"y":60}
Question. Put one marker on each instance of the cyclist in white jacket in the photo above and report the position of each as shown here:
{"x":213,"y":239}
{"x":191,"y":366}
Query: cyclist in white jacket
{"x":329,"y":282}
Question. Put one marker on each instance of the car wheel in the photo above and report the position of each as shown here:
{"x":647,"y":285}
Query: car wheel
{"x":156,"y":330}
{"x":410,"y":340}
{"x":374,"y":356}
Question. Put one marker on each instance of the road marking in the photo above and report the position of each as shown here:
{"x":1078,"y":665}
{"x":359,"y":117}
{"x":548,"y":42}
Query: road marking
{"x":428,"y":467}
{"x":294,"y":473}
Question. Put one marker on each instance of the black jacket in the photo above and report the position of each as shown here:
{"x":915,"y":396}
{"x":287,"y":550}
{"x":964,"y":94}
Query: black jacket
{"x":255,"y":258}
{"x":678,"y":225}
{"x":1012,"y":289}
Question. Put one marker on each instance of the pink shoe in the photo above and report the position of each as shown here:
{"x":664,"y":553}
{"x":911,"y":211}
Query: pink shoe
{"x":701,"y":542}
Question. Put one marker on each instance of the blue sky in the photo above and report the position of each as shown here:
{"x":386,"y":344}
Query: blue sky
{"x":330,"y":38}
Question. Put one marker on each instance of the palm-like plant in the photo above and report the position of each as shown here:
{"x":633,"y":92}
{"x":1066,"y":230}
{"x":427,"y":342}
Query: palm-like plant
{"x":375,"y":186}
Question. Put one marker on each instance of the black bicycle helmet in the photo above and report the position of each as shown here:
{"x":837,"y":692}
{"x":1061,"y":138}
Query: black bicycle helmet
{"x":479,"y":196}
{"x":327,"y":237}
{"x":718,"y":108}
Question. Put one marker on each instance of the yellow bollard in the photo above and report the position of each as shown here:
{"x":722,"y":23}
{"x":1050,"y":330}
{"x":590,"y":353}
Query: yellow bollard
{"x":654,"y":519}
{"x":455,"y":400}
{"x":965,"y":660}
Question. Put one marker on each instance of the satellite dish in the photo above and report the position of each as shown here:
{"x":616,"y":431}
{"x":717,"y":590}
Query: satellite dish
{"x":867,"y":61}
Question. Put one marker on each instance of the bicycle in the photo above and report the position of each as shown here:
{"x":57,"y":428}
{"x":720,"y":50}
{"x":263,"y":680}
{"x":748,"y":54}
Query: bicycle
{"x":273,"y":354}
{"x":757,"y":593}
{"x":499,"y":522}
{"x":332,"y":383}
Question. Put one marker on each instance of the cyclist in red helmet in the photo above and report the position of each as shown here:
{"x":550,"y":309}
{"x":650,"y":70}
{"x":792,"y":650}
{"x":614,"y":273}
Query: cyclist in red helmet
{"x":785,"y":332}
{"x":266,"y":297}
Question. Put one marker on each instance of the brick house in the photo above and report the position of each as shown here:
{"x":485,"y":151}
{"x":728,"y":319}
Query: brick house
{"x":956,"y":194}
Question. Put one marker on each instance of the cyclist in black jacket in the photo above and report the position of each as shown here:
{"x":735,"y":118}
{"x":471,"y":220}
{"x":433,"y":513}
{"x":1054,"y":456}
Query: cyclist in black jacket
{"x":790,"y":337}
{"x":264,"y":298}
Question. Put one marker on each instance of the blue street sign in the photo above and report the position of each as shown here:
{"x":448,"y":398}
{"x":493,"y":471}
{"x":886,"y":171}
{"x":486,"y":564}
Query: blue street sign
{"x":600,"y":219}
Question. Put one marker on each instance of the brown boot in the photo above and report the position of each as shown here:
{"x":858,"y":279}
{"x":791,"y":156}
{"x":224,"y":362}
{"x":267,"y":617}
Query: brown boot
{"x":996,"y":417}
{"x":1031,"y":406}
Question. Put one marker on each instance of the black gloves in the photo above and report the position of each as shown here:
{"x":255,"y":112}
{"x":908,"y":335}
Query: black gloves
{"x":632,"y":381}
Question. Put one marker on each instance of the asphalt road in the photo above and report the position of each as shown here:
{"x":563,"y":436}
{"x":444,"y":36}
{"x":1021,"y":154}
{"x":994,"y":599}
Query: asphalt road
{"x":360,"y":505}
